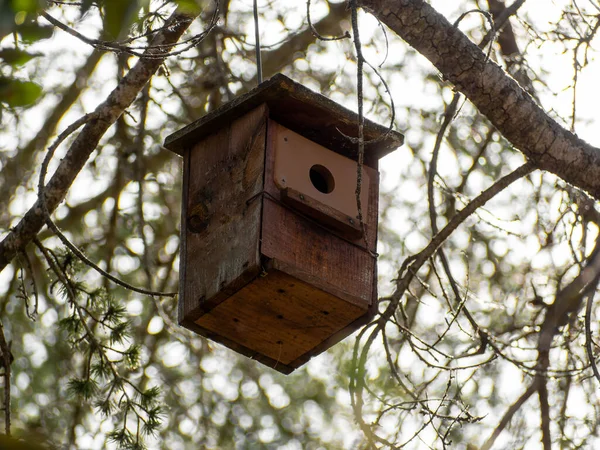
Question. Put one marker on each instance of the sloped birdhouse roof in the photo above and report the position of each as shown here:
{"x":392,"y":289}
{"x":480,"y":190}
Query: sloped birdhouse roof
{"x":300,"y":109}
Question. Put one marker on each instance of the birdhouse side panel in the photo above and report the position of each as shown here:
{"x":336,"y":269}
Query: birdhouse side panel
{"x":223,"y":214}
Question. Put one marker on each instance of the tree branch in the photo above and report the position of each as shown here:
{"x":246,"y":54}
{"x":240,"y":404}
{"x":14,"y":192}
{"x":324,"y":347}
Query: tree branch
{"x":276,"y":59}
{"x":498,"y":96}
{"x":6,"y":361}
{"x":508,"y":415}
{"x":82,"y":147}
{"x":544,"y":413}
{"x":19,"y":168}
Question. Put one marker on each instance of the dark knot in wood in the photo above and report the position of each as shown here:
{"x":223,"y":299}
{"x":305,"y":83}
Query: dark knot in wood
{"x":198,"y":219}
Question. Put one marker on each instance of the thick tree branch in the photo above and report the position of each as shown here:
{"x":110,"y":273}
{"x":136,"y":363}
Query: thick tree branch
{"x":104,"y":116}
{"x":498,"y":96}
{"x":20,"y":167}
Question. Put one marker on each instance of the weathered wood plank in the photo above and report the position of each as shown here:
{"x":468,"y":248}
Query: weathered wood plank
{"x":182,"y":306}
{"x":222,"y":230}
{"x":316,"y":255}
{"x":280,"y":316}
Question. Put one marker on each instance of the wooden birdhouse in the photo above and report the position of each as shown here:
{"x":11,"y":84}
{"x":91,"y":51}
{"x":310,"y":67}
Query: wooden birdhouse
{"x":273,"y":260}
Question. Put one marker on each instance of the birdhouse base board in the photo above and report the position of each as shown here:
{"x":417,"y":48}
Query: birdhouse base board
{"x":280,"y":317}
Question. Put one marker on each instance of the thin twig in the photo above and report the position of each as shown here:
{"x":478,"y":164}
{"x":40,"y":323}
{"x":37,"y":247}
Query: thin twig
{"x":588,"y":333}
{"x":490,"y":21}
{"x":314,"y":31}
{"x":77,"y":252}
{"x":406,"y":273}
{"x":41,"y":195}
{"x":140,"y":178}
{"x":259,"y":76}
{"x":361,"y":121}
{"x":7,"y":359}
{"x":61,"y":137}
{"x":449,"y":115}
{"x":143,"y":53}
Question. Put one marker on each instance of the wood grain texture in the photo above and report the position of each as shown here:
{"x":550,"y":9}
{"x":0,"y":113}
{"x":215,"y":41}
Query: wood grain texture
{"x":280,"y":317}
{"x":222,"y":230}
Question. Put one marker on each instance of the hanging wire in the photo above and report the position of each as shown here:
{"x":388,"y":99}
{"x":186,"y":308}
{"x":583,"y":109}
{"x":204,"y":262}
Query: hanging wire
{"x":257,"y":39}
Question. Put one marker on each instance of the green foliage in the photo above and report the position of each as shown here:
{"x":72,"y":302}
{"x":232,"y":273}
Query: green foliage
{"x":189,"y":6}
{"x":97,"y":327}
{"x":16,"y":57}
{"x":17,"y":93}
{"x":118,"y":16}
{"x":85,"y":388}
{"x":125,"y":439}
{"x":20,"y":16}
{"x":31,"y":31}
{"x":28,"y":6}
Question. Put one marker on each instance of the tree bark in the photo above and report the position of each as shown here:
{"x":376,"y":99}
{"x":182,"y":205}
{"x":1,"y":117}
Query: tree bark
{"x":498,"y":96}
{"x":18,"y":169}
{"x":82,"y":147}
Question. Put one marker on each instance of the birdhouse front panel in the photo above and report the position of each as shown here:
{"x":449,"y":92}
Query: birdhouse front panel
{"x":274,"y":260}
{"x":317,"y":172}
{"x":311,"y":246}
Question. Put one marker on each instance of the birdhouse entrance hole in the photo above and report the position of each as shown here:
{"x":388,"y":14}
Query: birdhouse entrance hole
{"x":274,"y":263}
{"x":322,"y":179}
